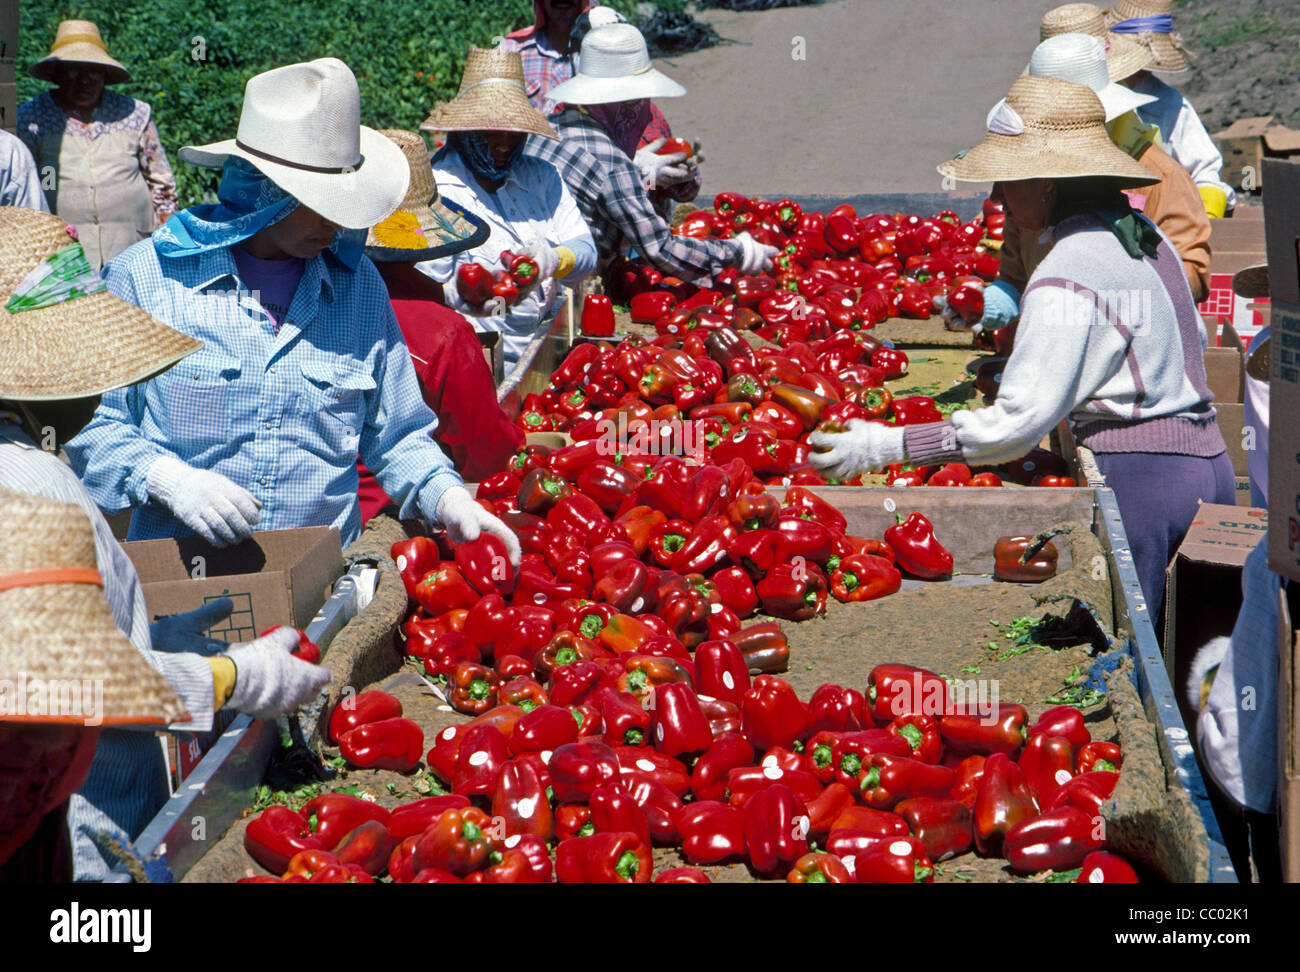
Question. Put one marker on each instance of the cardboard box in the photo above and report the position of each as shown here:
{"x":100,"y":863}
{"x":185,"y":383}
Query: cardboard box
{"x":1223,"y":306}
{"x":1282,"y":226}
{"x":1225,"y":365}
{"x":1247,"y":142}
{"x":277,"y":577}
{"x":1203,"y":595}
{"x":1288,"y":741}
{"x":1232,"y":424}
{"x":1243,"y":490}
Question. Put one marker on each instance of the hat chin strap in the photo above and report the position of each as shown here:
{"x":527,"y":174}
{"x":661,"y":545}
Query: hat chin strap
{"x":325,"y":169}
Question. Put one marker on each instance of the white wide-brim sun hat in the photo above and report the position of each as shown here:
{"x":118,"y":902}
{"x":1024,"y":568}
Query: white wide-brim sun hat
{"x":1081,"y":59}
{"x":301,"y":127}
{"x":614,"y":66}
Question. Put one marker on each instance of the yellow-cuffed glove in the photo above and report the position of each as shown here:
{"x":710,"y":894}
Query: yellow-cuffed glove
{"x":567,"y":260}
{"x":223,"y":680}
{"x":1215,"y":200}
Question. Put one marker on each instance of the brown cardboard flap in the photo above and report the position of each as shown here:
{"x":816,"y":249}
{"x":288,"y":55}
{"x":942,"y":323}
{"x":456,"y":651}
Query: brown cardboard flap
{"x":1232,"y":425}
{"x":1282,"y":228}
{"x":1284,"y":432}
{"x":1223,"y":534}
{"x":1225,"y":373}
{"x":312,"y":575}
{"x":261,"y":602}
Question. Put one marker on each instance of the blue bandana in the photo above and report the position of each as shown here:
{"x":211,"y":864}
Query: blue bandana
{"x":248,"y":203}
{"x":473,"y":148}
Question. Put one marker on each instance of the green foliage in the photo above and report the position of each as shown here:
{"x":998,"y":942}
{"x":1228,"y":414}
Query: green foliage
{"x":190,"y":59}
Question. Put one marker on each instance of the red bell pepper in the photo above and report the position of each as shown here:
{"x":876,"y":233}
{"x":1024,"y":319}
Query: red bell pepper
{"x":776,"y":827}
{"x":1100,"y":755}
{"x":1003,"y":801}
{"x":473,"y":284}
{"x":479,"y":760}
{"x":415,"y":558}
{"x":1048,"y":764}
{"x":1087,"y":791}
{"x":864,"y":577}
{"x":901,"y":860}
{"x":357,"y":710}
{"x":1058,"y":840}
{"x":888,"y":780}
{"x":853,"y":829}
{"x":709,"y":777}
{"x":613,"y":810}
{"x":819,"y":868}
{"x":578,"y":768}
{"x":1101,"y":867}
{"x":412,"y":819}
{"x":712,"y":832}
{"x":679,"y":725}
{"x":391,"y":744}
{"x":1008,"y":564}
{"x":638,"y":763}
{"x":458,"y":842}
{"x":943,"y":826}
{"x":275,"y":835}
{"x":707,"y":546}
{"x":721,"y":671}
{"x":806,"y":538}
{"x":986,"y":733}
{"x":894,"y":690}
{"x":916,"y":549}
{"x":921,"y":732}
{"x":772,"y":713}
{"x":444,"y":589}
{"x":332,"y":816}
{"x":764,"y":646}
{"x":523,"y":859}
{"x":604,"y":858}
{"x":573,"y":820}
{"x":682,"y":875}
{"x":1062,"y":720}
{"x":833,"y":708}
{"x":546,"y":727}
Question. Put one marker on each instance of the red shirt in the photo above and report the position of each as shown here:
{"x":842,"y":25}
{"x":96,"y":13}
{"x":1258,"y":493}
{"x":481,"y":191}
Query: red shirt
{"x":458,"y":386}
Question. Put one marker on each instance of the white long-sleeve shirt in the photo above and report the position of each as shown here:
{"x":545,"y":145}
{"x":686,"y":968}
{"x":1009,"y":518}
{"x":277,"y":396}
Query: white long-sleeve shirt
{"x":1184,"y":136}
{"x":533,"y":205}
{"x":20,"y":182}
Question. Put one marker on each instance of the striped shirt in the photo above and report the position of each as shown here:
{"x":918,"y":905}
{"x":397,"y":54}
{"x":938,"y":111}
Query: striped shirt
{"x":128,"y":778}
{"x":606,"y":184}
{"x":283,"y":414}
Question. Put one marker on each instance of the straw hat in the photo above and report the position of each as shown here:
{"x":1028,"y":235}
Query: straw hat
{"x":424,"y":226}
{"x":301,"y":127}
{"x":1251,"y":282}
{"x":1081,"y":59}
{"x":1047,"y":129}
{"x":614,"y":66}
{"x":86,"y":341}
{"x":492,"y":98}
{"x":78,"y":42}
{"x":1125,"y":57}
{"x":57,"y":631}
{"x":1151,"y":24}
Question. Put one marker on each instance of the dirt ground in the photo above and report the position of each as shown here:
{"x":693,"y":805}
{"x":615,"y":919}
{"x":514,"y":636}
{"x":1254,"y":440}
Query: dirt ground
{"x":888,"y":89}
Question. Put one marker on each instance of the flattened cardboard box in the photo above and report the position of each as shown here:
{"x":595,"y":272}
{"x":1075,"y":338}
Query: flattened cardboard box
{"x":1225,"y":366}
{"x":1231,"y":418}
{"x":1203,"y":596}
{"x":277,"y":577}
{"x":1282,"y":223}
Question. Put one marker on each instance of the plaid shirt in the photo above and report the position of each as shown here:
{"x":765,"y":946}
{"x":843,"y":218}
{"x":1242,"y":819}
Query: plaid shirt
{"x":284,"y":415}
{"x":544,"y":68}
{"x":607,"y":187}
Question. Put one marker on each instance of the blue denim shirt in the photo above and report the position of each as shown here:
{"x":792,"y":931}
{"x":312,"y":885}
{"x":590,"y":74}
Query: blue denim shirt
{"x":282,"y":415}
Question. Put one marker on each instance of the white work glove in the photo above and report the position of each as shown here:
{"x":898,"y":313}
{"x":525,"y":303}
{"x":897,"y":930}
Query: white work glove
{"x":660,"y":171}
{"x":269,"y":681}
{"x":187,"y":632}
{"x":544,"y":255}
{"x":219,"y":511}
{"x":1001,"y":305}
{"x":753,"y":256}
{"x":464,"y":520}
{"x":865,"y":447}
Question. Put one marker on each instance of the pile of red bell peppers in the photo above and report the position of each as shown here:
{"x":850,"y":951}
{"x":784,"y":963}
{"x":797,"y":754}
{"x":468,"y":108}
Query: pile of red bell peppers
{"x":707,"y":394}
{"x":579,"y":773}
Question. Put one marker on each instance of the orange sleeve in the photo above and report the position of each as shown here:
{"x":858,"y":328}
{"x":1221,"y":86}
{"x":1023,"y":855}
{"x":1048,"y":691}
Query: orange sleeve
{"x":1175,"y":206}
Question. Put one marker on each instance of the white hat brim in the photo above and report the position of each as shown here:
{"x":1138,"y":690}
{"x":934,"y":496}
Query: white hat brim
{"x":582,"y":89}
{"x":1118,"y":100}
{"x":355,"y":200}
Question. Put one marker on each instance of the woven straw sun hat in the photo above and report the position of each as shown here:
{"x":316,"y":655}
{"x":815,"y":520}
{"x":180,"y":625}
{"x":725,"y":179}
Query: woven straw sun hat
{"x":424,"y":226}
{"x":1081,"y":59}
{"x":614,"y":66}
{"x":1125,"y":57}
{"x":1151,"y":24}
{"x":492,"y":98}
{"x":300,"y":126}
{"x":78,"y":42}
{"x":62,"y":334}
{"x":1046,"y":128}
{"x":57,"y":631}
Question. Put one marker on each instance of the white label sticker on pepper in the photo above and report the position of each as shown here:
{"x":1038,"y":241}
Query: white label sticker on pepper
{"x":890,"y":505}
{"x":449,"y":733}
{"x":401,"y":561}
{"x":645,"y":765}
{"x":728,"y":680}
{"x":1062,"y":777}
{"x":1096,"y":877}
{"x":900,"y":848}
{"x":478,"y":759}
{"x":526,"y":806}
{"x":546,"y":756}
{"x":772,"y":771}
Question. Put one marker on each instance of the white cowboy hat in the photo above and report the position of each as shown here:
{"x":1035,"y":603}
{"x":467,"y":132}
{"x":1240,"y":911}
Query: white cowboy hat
{"x":301,"y":127}
{"x":1081,"y":59}
{"x":614,"y":66}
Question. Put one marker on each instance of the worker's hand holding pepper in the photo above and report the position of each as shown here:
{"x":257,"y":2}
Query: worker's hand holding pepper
{"x":660,"y":171}
{"x":269,"y":680}
{"x":752,"y":256}
{"x":464,"y":519}
{"x":863,"y":447}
